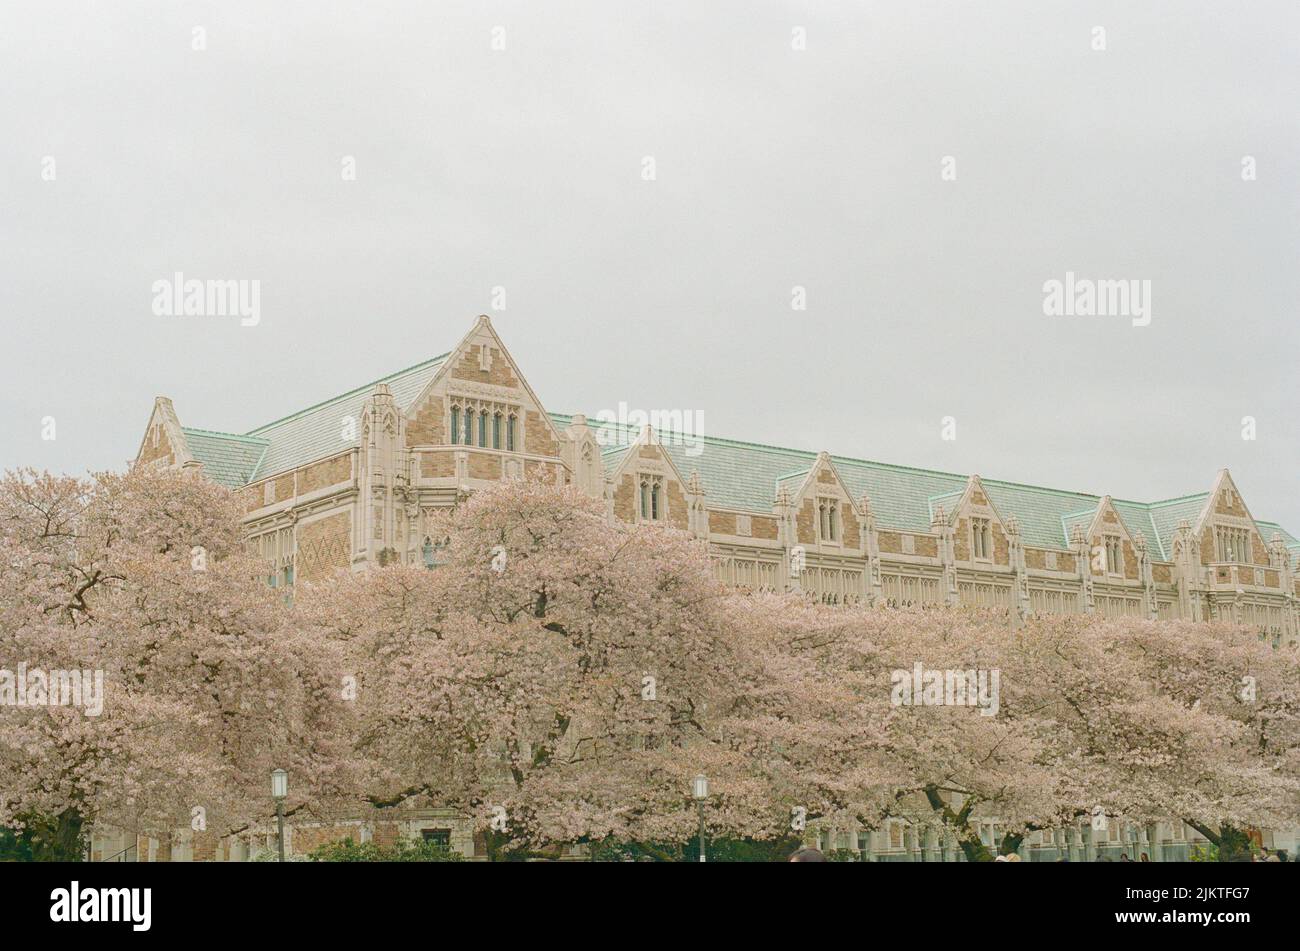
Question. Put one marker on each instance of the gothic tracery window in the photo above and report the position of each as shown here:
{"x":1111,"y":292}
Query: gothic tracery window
{"x":650,"y":495}
{"x":828,"y":520}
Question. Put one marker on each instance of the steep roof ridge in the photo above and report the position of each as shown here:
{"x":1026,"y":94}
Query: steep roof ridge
{"x":351,"y":393}
{"x":259,"y":440}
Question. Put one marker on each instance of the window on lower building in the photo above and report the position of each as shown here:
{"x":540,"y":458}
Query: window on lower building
{"x":510,"y":433}
{"x":439,"y":837}
{"x":496,"y":431}
{"x":431,"y":550}
{"x":277,"y":550}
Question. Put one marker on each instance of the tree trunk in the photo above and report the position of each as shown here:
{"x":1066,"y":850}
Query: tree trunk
{"x":958,"y":822}
{"x":58,"y":838}
{"x":1231,"y":841}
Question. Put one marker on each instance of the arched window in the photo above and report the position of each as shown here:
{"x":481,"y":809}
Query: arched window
{"x":427,"y":552}
{"x":482,"y":428}
{"x":496,"y":431}
{"x":654,"y":501}
{"x":455,"y":425}
{"x":510,"y":433}
{"x":645,"y":498}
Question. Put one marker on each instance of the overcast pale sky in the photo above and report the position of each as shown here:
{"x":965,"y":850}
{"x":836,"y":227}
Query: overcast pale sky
{"x":775,"y":167}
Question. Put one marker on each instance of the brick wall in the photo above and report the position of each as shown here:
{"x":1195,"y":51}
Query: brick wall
{"x":805,"y":530}
{"x":323,"y":546}
{"x":724,"y":523}
{"x":501,"y":373}
{"x":437,"y":465}
{"x":425,"y":426}
{"x":484,"y":465}
{"x":162,"y":451}
{"x":321,"y":475}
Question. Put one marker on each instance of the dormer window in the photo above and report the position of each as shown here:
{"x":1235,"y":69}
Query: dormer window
{"x":652,"y":500}
{"x":1114,"y":554}
{"x":828,"y":520}
{"x":981,"y":539}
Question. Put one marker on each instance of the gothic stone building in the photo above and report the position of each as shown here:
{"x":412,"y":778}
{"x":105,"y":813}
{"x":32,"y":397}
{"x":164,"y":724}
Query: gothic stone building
{"x":350,"y":482}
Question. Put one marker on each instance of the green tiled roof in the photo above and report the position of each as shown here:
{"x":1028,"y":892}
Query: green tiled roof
{"x":611,"y":456}
{"x":226,"y":457}
{"x":1072,"y":519}
{"x":1137,"y":518}
{"x":948,"y":500}
{"x":792,"y":480}
{"x":745,"y":476}
{"x":735,"y":474}
{"x":317,"y":431}
{"x":1267,"y":529}
{"x":1166,"y":515}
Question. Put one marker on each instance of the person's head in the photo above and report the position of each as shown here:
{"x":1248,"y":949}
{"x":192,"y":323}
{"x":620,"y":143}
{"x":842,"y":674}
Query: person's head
{"x":807,"y":854}
{"x":1123,"y":856}
{"x":1013,"y":857}
{"x":1144,"y":857}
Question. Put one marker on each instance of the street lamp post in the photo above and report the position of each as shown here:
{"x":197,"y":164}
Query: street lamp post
{"x":279,"y":791}
{"x":700,"y":790}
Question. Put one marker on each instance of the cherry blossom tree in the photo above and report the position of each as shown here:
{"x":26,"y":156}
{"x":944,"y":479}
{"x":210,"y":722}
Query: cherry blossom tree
{"x":561,"y":679}
{"x":142,"y":579}
{"x":557,"y":676}
{"x":1143,"y":720}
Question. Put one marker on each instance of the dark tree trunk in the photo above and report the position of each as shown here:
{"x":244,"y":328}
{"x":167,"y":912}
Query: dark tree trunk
{"x":58,"y":838}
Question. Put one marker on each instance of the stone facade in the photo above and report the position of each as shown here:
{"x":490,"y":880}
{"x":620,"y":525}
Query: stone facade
{"x":425,"y":438}
{"x":475,"y":420}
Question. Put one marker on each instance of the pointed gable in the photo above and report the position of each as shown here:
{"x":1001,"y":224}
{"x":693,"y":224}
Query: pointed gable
{"x":647,"y":485}
{"x":979,"y":530}
{"x":826,"y":512}
{"x":164,"y":442}
{"x":480,"y":371}
{"x":1106,"y":526}
{"x":1226,"y":526}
